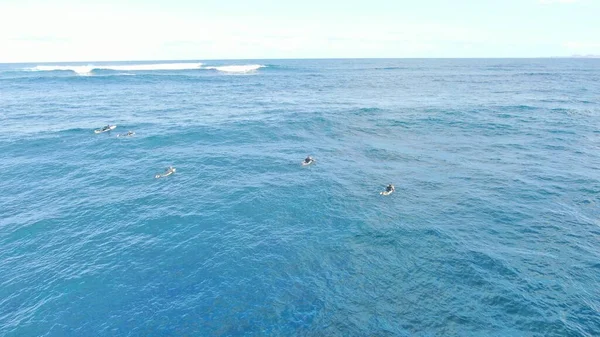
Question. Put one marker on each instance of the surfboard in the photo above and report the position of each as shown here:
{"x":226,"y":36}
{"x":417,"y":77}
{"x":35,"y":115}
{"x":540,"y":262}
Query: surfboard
{"x":165,"y":174}
{"x":386,"y":192}
{"x":309,"y":163}
{"x":112,"y":127}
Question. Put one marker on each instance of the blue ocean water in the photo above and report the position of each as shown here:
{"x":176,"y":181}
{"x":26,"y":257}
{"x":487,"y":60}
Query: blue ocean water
{"x":493,"y":230}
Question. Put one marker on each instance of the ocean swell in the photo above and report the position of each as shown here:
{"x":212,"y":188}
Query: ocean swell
{"x":237,"y":68}
{"x":88,"y":70}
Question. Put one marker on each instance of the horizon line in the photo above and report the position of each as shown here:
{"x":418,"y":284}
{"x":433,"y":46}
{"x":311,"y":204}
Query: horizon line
{"x":591,"y":56}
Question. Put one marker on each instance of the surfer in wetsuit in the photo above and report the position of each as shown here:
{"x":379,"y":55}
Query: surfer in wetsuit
{"x":170,"y":170}
{"x":389,"y":188}
{"x":128,"y":134}
{"x":308,"y":160}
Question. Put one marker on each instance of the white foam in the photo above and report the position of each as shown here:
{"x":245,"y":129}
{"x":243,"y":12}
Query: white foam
{"x":150,"y":67}
{"x":238,"y":68}
{"x":87,"y":70}
{"x":81,"y":70}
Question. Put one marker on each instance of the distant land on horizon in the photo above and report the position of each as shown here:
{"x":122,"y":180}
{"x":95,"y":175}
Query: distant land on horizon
{"x":577,"y":56}
{"x":586,"y":56}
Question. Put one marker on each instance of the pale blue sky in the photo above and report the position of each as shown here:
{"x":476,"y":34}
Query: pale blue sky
{"x":32,"y":31}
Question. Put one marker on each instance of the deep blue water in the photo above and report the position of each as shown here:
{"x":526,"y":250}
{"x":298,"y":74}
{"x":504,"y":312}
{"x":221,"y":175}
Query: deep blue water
{"x":494,"y":228}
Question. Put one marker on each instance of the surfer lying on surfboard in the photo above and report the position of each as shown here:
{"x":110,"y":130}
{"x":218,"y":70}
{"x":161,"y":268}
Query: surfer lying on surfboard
{"x":105,"y":128}
{"x":170,"y":170}
{"x":388,"y":190}
{"x":128,"y":134}
{"x":307,"y":161}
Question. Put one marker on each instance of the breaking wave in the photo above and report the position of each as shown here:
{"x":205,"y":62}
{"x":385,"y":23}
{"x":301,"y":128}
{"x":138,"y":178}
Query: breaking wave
{"x":89,"y":69}
{"x":238,"y":68}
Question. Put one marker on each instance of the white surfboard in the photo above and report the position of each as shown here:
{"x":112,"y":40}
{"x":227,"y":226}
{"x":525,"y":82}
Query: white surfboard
{"x":309,"y":163}
{"x":110,"y":128}
{"x":166,"y":174}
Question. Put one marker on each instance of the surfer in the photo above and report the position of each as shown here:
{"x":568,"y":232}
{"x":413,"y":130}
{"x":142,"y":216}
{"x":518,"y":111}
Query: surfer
{"x":308,"y":160}
{"x":128,"y":134}
{"x":170,"y":170}
{"x":107,"y":128}
{"x":388,"y":190}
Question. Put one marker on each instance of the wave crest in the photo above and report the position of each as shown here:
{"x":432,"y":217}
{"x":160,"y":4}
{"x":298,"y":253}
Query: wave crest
{"x":89,"y":69}
{"x":81,"y":70}
{"x":238,"y":68}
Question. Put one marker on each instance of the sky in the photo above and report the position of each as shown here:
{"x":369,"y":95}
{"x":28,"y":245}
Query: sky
{"x":115,"y":30}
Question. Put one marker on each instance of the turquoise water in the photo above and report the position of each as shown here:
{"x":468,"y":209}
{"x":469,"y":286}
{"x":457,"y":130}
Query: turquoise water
{"x":493,"y":229}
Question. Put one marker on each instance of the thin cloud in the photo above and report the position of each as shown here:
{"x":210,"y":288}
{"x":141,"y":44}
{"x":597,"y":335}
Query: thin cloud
{"x":583,"y":48}
{"x":578,"y":45}
{"x":548,"y":2}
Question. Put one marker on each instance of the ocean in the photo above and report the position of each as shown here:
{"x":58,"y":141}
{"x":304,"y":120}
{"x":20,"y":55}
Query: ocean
{"x":493,"y":228}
